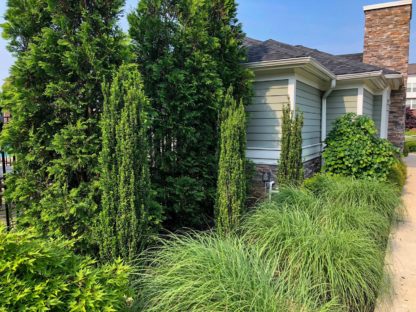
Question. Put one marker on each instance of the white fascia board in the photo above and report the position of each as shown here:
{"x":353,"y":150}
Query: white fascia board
{"x":387,"y":5}
{"x":278,"y":63}
{"x":360,"y":75}
{"x":292,"y":62}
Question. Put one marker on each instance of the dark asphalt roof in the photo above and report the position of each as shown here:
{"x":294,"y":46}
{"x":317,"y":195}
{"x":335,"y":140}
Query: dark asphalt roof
{"x":271,"y":50}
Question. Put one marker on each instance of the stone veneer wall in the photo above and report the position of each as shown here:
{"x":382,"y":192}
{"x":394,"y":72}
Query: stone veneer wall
{"x":386,"y":44}
{"x":311,"y":167}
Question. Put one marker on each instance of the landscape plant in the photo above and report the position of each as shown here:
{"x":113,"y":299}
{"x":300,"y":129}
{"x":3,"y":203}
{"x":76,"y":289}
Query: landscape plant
{"x":63,"y":50}
{"x":38,"y":274}
{"x":353,"y":148}
{"x":210,"y":272}
{"x":231,"y":189}
{"x":127,"y":217}
{"x":189,"y":53}
{"x":319,"y":261}
{"x":290,"y":167}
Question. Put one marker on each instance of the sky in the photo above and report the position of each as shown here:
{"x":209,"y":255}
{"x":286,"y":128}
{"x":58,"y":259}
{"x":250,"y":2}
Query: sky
{"x":334,"y":26}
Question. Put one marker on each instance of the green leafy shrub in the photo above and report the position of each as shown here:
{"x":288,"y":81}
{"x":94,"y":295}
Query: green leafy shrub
{"x":45,"y":275}
{"x":353,"y":149}
{"x":290,"y":166}
{"x":214,"y":273}
{"x":317,"y":260}
{"x":410,"y":146}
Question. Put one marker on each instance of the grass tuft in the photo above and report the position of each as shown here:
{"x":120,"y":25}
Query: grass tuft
{"x":318,"y":261}
{"x":207,"y":272}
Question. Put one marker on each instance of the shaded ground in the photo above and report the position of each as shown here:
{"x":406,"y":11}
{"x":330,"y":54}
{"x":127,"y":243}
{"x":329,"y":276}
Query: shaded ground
{"x":402,"y":254}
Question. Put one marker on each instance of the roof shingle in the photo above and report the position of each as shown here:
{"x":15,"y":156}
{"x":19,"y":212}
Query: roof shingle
{"x":271,"y":50}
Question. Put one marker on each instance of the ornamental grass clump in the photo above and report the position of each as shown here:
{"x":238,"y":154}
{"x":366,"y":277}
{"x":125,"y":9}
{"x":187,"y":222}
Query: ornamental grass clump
{"x":379,"y":196}
{"x":205,"y":272}
{"x":316,"y":260}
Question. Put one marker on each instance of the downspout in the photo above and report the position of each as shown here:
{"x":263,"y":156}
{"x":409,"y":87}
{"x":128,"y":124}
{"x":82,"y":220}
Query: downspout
{"x":323,"y":117}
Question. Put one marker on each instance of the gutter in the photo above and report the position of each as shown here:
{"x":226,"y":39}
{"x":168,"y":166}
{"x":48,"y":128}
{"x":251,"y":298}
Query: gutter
{"x":323,"y":114}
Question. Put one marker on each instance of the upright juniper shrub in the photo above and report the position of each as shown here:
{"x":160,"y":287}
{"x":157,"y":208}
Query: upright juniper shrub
{"x":63,"y":50}
{"x":354,"y":149}
{"x":128,"y":216}
{"x":290,"y":167}
{"x":231,"y":191}
{"x":189,"y":53}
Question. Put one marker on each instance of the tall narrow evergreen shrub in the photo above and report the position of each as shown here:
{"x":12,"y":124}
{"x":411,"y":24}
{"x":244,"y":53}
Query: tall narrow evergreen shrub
{"x":127,"y":217}
{"x":63,"y":51}
{"x":290,"y":167}
{"x":231,"y":188}
{"x":190,"y":52}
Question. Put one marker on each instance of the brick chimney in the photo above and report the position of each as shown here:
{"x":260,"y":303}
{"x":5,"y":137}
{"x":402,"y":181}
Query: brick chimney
{"x":386,"y":44}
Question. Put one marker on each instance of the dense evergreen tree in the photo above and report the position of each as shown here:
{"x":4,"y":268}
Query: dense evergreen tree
{"x":189,"y":51}
{"x":127,"y":215}
{"x":63,"y":50}
{"x":290,"y":167}
{"x":231,"y":190}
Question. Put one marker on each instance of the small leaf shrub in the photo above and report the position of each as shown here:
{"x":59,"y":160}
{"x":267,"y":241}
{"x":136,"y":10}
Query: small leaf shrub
{"x":411,"y":146}
{"x":45,"y":275}
{"x":398,"y":174}
{"x":353,"y":149}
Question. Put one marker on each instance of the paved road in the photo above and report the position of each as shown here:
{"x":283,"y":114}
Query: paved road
{"x":402,"y":257}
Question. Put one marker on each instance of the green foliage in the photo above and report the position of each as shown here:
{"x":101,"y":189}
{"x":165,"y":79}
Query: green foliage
{"x":290,"y":167}
{"x":231,"y":189}
{"x":319,"y":261}
{"x":329,"y":238}
{"x":189,"y":53}
{"x":128,"y":216}
{"x":379,"y":196}
{"x":410,"y":146}
{"x":206,"y":272}
{"x":44,"y":275}
{"x":63,"y":50}
{"x":398,"y":174}
{"x":353,"y":149}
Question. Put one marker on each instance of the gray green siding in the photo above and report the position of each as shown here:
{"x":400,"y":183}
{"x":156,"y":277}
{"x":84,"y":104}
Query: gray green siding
{"x":368,"y":104}
{"x":264,"y":126}
{"x":378,"y":99}
{"x":309,"y":101}
{"x":339,"y":103}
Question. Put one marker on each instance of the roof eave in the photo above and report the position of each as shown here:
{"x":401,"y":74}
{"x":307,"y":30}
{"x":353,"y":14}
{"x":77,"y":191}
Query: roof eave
{"x":307,"y":62}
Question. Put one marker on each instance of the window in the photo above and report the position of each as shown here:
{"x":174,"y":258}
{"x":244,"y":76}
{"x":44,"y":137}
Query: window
{"x":411,"y":103}
{"x":411,"y":87}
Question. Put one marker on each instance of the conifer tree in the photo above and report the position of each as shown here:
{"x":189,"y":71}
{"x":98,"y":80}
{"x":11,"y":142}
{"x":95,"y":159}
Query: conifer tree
{"x":63,"y":50}
{"x":290,"y":167}
{"x":231,"y":189}
{"x":189,"y":52}
{"x":127,"y":215}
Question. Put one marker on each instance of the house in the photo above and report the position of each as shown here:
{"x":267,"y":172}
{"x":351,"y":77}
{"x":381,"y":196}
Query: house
{"x":325,"y":86}
{"x":411,"y":87}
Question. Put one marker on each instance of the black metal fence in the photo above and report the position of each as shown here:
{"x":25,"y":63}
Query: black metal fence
{"x":7,"y":213}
